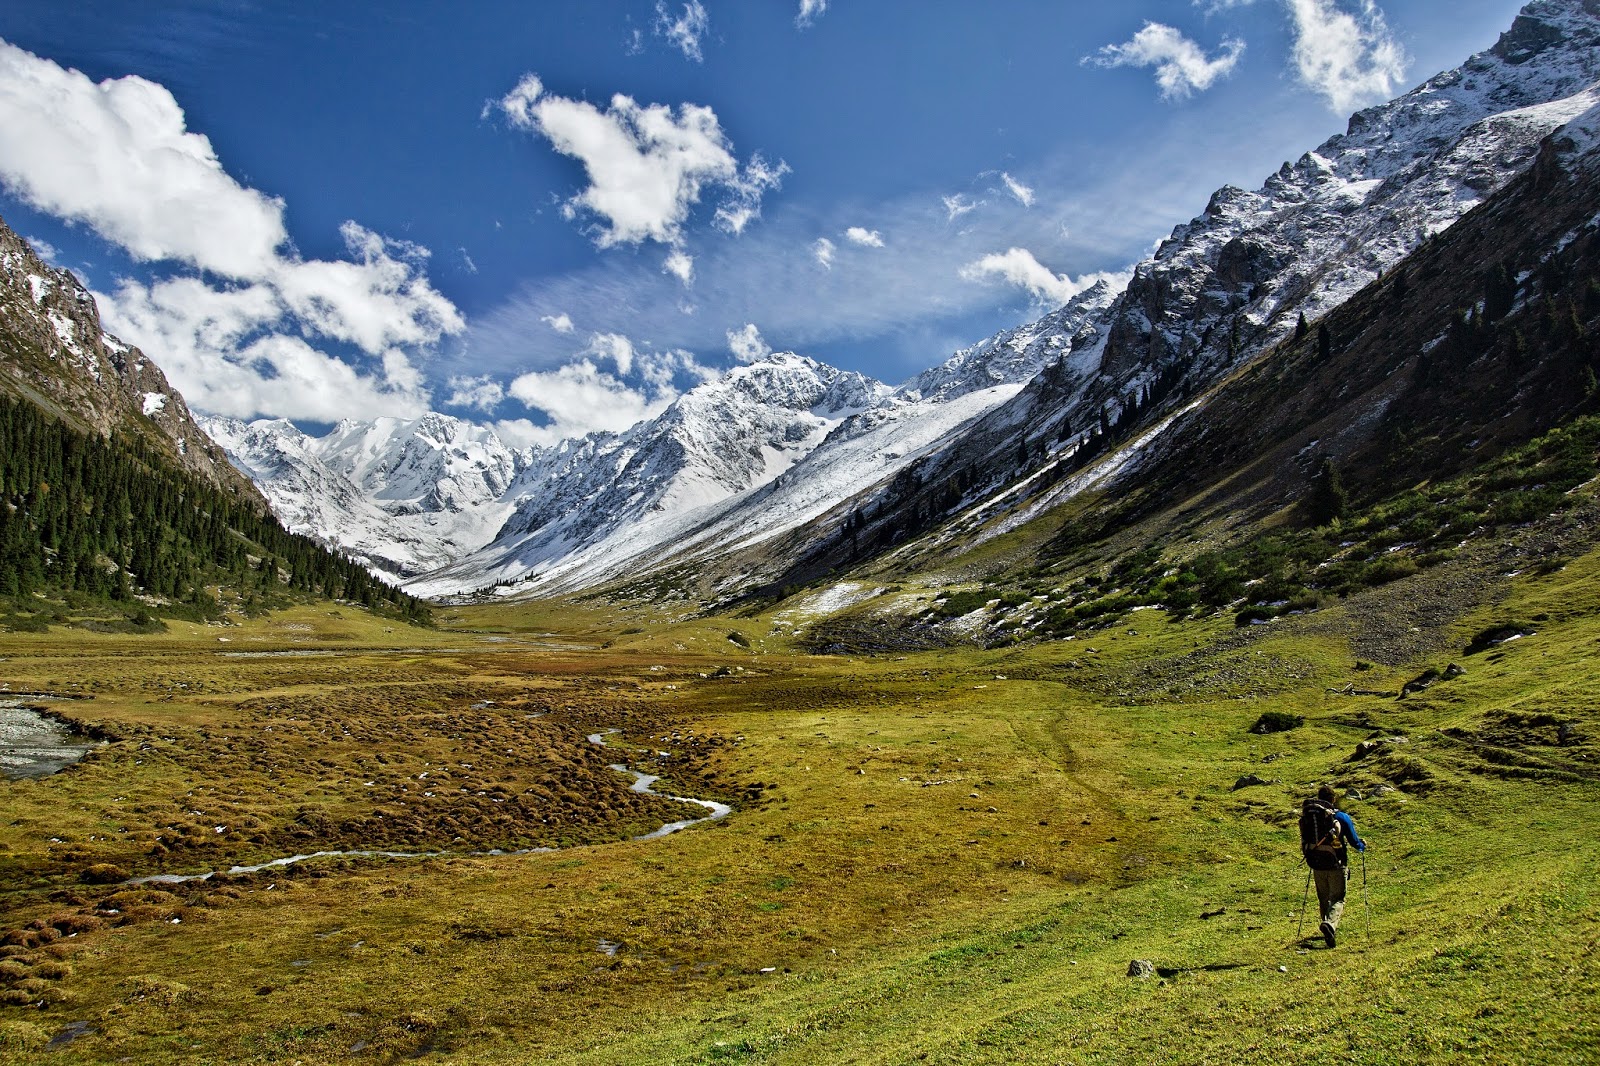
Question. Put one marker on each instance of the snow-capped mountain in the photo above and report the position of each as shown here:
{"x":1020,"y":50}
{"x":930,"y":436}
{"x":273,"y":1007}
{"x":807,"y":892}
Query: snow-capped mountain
{"x":600,"y":502}
{"x":404,"y":496}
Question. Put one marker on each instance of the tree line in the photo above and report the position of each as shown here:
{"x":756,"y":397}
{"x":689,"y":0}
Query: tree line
{"x":112,"y":519}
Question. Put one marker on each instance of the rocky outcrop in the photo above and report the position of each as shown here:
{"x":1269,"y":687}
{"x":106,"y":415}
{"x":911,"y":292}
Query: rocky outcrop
{"x":54,"y":352}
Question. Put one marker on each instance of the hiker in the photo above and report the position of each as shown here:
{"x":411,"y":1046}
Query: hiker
{"x":1325,"y":835}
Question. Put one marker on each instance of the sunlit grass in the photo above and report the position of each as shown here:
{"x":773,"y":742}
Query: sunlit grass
{"x":943,"y":857}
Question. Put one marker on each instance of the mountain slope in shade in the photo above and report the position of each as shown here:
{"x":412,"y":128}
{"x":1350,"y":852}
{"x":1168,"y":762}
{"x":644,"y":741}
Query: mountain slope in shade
{"x":53,"y":352}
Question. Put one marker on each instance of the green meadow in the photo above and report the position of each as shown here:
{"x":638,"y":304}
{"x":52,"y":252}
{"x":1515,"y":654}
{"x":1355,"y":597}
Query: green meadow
{"x":935,"y":857}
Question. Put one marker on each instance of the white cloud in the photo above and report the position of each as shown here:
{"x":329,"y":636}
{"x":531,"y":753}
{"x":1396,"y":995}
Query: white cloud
{"x":222,"y":349}
{"x":44,"y":250}
{"x":248,"y":338}
{"x":1019,"y":267}
{"x":958,"y":205}
{"x":117,"y":157}
{"x":747,"y":344}
{"x":1212,"y":7}
{"x":615,"y":347}
{"x":377,"y":299}
{"x":467,"y":262}
{"x":1023,"y":193}
{"x":484,"y":393}
{"x":580,"y":398}
{"x":824,"y":251}
{"x":745,"y":192}
{"x":810,"y":10}
{"x":561,"y":323}
{"x":867,"y":238}
{"x":1181,"y":65}
{"x":686,"y":31}
{"x":1347,"y":58}
{"x":647,"y":165}
{"x":680,"y":265}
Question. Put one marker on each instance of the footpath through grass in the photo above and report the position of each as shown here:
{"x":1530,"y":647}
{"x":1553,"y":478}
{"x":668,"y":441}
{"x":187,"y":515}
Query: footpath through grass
{"x":937,"y":858}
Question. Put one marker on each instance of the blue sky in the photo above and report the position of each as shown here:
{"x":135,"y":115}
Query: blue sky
{"x":555,"y":216}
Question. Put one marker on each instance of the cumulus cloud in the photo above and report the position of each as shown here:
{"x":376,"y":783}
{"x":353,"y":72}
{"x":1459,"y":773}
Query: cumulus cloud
{"x":580,"y":398}
{"x":1023,"y":193}
{"x":810,"y":10}
{"x":1181,"y":65}
{"x":583,"y":397}
{"x":958,"y":205}
{"x":561,"y":323}
{"x":867,"y":238}
{"x":1347,"y":58}
{"x":684,"y":32}
{"x":1019,"y":267}
{"x":118,"y":158}
{"x":483,"y":393}
{"x":747,"y":344}
{"x":824,"y":251}
{"x":249,"y":336}
{"x":647,"y":166}
{"x":227,"y":353}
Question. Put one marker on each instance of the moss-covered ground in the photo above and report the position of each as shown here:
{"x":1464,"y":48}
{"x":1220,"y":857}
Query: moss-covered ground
{"x":938,"y":857}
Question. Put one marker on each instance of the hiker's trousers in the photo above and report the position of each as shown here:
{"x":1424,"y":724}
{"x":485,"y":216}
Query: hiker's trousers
{"x":1330,"y":892}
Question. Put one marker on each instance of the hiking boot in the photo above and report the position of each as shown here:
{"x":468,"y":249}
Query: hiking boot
{"x":1327,"y":934}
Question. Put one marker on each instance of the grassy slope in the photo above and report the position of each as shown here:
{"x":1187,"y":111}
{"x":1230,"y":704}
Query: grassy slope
{"x":903,"y":920}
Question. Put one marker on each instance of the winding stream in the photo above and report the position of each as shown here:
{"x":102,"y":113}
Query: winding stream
{"x":642,"y":782}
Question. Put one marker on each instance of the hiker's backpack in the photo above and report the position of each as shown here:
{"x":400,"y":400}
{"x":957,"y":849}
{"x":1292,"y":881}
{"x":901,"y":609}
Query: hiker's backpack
{"x":1321,"y":836}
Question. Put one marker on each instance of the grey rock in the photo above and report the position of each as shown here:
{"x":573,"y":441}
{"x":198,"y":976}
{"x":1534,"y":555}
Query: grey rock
{"x":1141,"y":968}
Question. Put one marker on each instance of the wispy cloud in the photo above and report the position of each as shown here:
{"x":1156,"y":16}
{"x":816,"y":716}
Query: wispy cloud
{"x":648,"y":166}
{"x":1018,"y":266}
{"x":867,"y":238}
{"x":958,"y":205}
{"x":824,"y":250}
{"x":1022,"y":193}
{"x":684,"y":32}
{"x":561,"y":323}
{"x":481,"y":393}
{"x":259,"y":329}
{"x":1182,"y":67}
{"x":810,"y":11}
{"x":1348,"y":58}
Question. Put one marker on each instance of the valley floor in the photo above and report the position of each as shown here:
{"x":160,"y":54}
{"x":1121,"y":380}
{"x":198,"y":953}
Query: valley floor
{"x":941,"y":857}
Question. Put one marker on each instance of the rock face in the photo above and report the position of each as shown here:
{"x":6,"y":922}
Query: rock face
{"x":54,"y":352}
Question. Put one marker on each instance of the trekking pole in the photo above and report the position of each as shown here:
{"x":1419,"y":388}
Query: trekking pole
{"x":1304,"y":896}
{"x":1366,"y":899}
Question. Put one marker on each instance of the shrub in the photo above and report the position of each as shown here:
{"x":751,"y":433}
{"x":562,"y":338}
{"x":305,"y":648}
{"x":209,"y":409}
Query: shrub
{"x":1277,"y":722}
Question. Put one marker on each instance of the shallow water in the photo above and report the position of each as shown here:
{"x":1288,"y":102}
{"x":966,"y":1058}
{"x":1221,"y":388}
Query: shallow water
{"x":33,"y":744}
